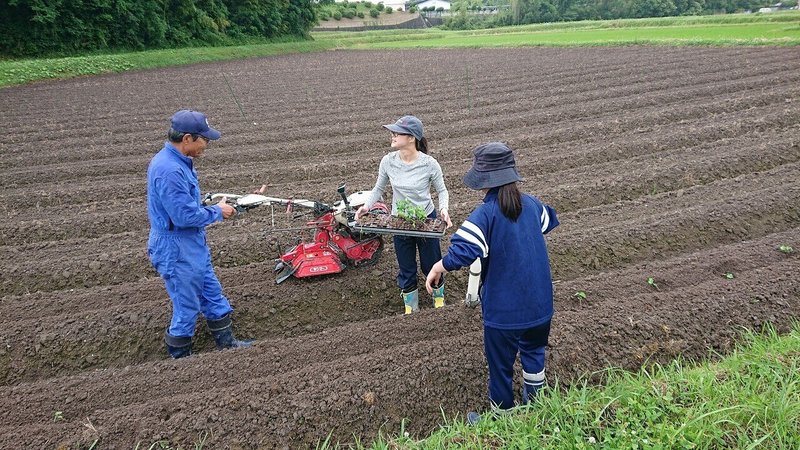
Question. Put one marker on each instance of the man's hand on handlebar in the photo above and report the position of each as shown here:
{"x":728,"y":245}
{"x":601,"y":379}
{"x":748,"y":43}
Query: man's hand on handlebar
{"x":228,"y":211}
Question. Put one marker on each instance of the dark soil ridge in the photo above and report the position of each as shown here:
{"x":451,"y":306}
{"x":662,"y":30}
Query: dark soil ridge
{"x":34,"y":123}
{"x":645,"y":326}
{"x":145,"y":294}
{"x":559,"y":100}
{"x":56,"y":197}
{"x":124,"y":254}
{"x":311,"y":171}
{"x":53,"y":223}
{"x":617,"y":242}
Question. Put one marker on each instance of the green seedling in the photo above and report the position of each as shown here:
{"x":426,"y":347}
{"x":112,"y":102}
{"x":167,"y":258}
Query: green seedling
{"x":410,"y":211}
{"x":728,"y":275}
{"x":786,"y":249}
{"x":58,"y":415}
{"x":580,"y":295}
{"x":652,"y":282}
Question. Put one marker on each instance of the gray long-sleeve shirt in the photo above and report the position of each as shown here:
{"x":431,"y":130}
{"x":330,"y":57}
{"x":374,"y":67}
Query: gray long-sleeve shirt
{"x":411,"y":182}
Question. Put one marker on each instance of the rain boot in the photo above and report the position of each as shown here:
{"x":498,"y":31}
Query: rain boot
{"x":532,"y":383}
{"x":438,"y":296}
{"x":178,"y":346}
{"x":411,"y":301}
{"x":222,"y":331}
{"x":529,"y":392}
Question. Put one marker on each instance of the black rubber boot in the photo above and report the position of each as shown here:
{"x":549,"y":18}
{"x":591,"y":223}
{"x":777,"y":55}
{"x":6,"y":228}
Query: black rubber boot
{"x":223,"y":334}
{"x":178,"y":346}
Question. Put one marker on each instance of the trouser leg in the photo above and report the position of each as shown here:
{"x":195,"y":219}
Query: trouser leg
{"x":500,"y":347}
{"x":532,"y":346}
{"x":405,"y":249}
{"x":184,"y":289}
{"x":213,"y":302}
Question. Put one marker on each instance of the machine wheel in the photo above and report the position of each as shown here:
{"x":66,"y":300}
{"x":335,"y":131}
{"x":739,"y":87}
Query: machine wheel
{"x":375,"y":256}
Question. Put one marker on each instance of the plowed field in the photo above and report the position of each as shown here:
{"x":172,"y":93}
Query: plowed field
{"x":678,"y":164}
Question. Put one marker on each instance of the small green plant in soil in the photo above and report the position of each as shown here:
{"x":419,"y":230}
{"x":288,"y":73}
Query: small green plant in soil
{"x":580,"y":295}
{"x":652,"y":282}
{"x":58,"y":416}
{"x":728,"y":275}
{"x":411,"y":212}
{"x":786,"y":249}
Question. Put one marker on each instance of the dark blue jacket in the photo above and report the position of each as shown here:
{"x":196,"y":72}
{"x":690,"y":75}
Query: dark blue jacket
{"x":517,"y":288}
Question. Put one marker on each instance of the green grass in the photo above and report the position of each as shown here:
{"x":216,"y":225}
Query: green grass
{"x":721,"y":35}
{"x":748,"y":400}
{"x":27,"y":70}
{"x":726,"y":30}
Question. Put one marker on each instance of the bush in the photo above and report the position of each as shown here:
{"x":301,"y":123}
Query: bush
{"x":379,"y":7}
{"x":374,"y":13}
{"x":324,"y":15}
{"x":387,"y":10}
{"x":348,"y":13}
{"x":412,"y":10}
{"x":368,"y":5}
{"x":76,"y":27}
{"x":360,"y":14}
{"x":337,"y":15}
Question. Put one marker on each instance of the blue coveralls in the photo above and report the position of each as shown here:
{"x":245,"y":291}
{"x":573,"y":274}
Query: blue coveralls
{"x":516,"y":288}
{"x":177,"y":246}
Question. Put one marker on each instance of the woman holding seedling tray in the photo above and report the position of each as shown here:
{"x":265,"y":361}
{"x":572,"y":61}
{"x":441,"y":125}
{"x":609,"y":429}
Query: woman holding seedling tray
{"x":412,"y":172}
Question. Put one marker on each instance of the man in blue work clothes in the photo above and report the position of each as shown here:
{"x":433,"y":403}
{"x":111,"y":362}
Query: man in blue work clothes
{"x":177,"y":246}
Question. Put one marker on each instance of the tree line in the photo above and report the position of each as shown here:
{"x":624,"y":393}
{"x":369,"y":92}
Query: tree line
{"x":540,"y":11}
{"x":72,"y":27}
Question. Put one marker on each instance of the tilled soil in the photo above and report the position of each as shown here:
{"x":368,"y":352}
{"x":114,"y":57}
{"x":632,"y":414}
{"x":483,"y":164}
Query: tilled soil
{"x":676,"y":164}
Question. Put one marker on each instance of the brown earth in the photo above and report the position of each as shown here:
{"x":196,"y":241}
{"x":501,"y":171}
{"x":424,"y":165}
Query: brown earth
{"x":676,"y":164}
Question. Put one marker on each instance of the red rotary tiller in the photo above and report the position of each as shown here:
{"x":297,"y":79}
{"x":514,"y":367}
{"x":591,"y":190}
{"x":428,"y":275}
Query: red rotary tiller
{"x":336,"y":243}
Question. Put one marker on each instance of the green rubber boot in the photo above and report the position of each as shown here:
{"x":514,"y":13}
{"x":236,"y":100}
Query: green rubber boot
{"x":411,"y":301}
{"x":438,"y":296}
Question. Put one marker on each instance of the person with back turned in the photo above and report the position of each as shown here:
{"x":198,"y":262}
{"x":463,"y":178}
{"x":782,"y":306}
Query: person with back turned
{"x":506,"y":234}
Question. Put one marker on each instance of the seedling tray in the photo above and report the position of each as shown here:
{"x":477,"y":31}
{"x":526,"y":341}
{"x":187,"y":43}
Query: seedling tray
{"x":387,"y":224}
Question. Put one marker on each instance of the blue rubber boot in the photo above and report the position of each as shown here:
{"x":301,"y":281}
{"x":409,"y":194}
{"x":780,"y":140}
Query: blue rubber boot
{"x":222,"y":331}
{"x":178,"y":346}
{"x":411,"y":301}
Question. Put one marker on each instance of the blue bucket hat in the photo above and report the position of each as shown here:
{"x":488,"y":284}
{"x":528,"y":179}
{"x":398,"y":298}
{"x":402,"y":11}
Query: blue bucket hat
{"x":407,"y":125}
{"x":193,"y":122}
{"x":493,"y":166}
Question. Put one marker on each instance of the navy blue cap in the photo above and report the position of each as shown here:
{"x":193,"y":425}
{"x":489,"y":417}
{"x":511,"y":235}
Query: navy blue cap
{"x":193,"y":122}
{"x":493,"y":166}
{"x":407,"y":125}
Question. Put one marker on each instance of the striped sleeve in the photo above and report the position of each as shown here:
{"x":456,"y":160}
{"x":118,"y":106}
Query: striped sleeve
{"x":549,"y":220}
{"x":468,"y":243}
{"x":471,"y":233}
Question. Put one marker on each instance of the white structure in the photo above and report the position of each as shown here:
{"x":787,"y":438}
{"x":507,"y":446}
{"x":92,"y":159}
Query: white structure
{"x":445,"y":5}
{"x":396,"y":5}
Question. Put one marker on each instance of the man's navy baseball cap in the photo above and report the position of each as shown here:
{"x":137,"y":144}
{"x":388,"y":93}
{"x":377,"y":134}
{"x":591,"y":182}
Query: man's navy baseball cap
{"x":407,"y":125}
{"x":193,"y":122}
